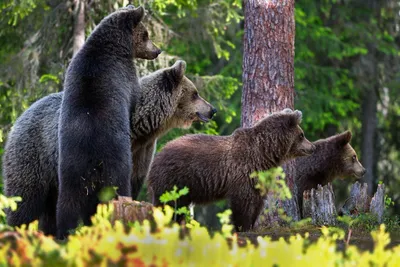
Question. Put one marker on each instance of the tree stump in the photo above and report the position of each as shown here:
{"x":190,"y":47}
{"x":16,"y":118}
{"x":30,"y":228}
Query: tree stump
{"x":377,"y":205}
{"x":270,"y":216}
{"x":359,"y":196}
{"x":319,"y":204}
{"x":358,"y":202}
{"x":127,"y":210}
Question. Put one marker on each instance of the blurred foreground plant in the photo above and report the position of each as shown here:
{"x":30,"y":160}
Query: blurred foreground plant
{"x":105,"y":243}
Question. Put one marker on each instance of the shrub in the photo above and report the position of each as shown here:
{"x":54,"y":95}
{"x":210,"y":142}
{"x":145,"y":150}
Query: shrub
{"x":114,"y":244}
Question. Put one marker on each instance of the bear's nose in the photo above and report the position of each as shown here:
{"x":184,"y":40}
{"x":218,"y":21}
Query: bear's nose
{"x":158,"y":51}
{"x":213,"y":111}
{"x":364,"y":171}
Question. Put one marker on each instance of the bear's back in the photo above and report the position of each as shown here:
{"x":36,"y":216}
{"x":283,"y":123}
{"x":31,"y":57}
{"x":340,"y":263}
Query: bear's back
{"x":31,"y":144}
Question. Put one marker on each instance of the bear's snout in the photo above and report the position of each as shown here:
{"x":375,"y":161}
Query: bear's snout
{"x":213,"y":111}
{"x":306,"y":148}
{"x":363,"y":171}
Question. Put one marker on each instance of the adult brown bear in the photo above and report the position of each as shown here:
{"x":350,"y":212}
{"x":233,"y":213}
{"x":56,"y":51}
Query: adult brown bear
{"x":94,"y":131}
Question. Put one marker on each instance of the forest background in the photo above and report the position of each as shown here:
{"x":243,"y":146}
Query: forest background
{"x":347,"y":62}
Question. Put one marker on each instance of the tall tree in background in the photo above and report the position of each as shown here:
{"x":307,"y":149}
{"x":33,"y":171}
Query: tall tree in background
{"x":268,"y":69}
{"x":79,"y":25}
{"x":370,"y":85}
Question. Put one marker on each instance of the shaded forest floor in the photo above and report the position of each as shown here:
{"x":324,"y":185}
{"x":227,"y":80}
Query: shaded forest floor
{"x":360,"y":238}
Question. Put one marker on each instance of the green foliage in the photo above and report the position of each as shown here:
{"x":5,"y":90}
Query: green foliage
{"x":17,"y":10}
{"x":392,"y":223}
{"x":326,"y":93}
{"x":225,"y":220}
{"x":272,"y":180}
{"x":173,"y":196}
{"x":107,"y":193}
{"x":49,"y":77}
{"x":7,"y":203}
{"x":105,"y":243}
{"x":388,"y":201}
{"x":362,"y":222}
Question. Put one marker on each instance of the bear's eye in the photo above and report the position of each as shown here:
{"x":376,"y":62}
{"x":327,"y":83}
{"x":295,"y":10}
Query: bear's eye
{"x":354,"y":158}
{"x":301,"y":136}
{"x":195,"y":95}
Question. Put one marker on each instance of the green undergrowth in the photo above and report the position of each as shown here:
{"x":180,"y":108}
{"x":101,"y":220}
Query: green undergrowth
{"x":169,"y":244}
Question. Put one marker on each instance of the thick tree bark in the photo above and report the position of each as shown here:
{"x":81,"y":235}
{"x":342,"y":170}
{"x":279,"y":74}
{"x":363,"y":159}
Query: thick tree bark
{"x":79,"y":25}
{"x":268,"y":60}
{"x":268,"y":70}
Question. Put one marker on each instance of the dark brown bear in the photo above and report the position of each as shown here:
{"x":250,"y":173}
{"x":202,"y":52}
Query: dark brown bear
{"x":333,"y":158}
{"x":219,"y":167}
{"x":100,"y":92}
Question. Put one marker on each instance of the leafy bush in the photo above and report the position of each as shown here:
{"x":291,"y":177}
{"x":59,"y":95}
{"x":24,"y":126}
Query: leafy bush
{"x":107,"y":244}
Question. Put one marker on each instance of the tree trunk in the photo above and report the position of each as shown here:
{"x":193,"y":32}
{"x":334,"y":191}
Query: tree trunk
{"x":369,"y":79}
{"x":79,"y":25}
{"x":268,"y":58}
{"x":369,"y":126}
{"x":268,"y":70}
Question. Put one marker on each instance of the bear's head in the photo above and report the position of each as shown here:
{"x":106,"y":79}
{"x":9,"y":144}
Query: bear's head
{"x":345,"y":161}
{"x":168,"y":100}
{"x":282,"y":136}
{"x":190,"y":105}
{"x":124,"y":28}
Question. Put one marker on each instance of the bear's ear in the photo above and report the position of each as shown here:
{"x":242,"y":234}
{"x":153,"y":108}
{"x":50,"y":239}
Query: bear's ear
{"x":178,"y":70}
{"x":294,"y":118}
{"x":139,"y":14}
{"x":343,"y":138}
{"x":287,"y":110}
{"x":132,"y":16}
{"x":299,"y":115}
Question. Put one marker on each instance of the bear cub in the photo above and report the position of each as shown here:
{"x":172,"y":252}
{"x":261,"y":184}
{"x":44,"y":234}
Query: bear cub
{"x":333,"y":158}
{"x":219,"y":167}
{"x":94,"y":131}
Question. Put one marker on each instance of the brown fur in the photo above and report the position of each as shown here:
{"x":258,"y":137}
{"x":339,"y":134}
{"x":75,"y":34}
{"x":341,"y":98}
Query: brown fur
{"x":218,"y":167}
{"x":168,"y":100}
{"x":333,"y":158}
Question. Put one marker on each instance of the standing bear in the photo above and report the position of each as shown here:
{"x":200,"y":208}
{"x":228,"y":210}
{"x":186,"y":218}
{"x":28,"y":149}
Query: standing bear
{"x":167,"y":98}
{"x":333,"y":158}
{"x":94,"y":131}
{"x":219,"y":167}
